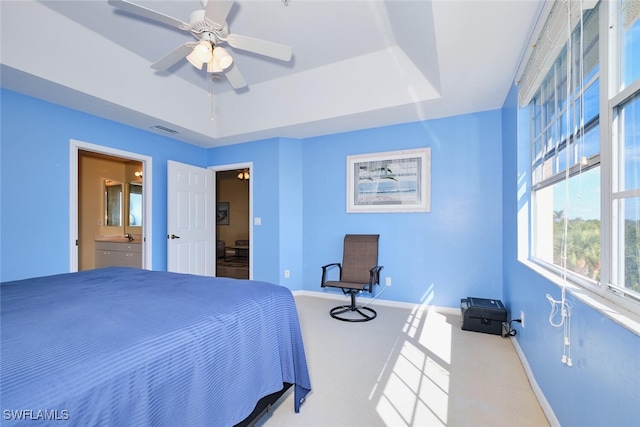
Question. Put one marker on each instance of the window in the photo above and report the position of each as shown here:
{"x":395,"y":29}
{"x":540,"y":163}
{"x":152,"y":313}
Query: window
{"x":579,"y":244}
{"x":626,"y":200}
{"x":565,"y":154}
{"x":625,"y":112}
{"x":585,"y":145}
{"x":629,"y":57}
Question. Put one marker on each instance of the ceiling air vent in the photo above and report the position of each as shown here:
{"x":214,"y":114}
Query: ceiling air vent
{"x":164,"y":129}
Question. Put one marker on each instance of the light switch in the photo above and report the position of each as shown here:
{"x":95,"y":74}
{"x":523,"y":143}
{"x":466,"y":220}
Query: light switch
{"x":257,"y":221}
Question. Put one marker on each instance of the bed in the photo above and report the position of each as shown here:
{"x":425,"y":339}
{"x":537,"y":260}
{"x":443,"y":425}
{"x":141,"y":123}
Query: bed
{"x":123,"y":346}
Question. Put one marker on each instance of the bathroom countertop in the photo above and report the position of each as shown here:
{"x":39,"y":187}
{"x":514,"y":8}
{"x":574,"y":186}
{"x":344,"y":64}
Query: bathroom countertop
{"x":118,"y":239}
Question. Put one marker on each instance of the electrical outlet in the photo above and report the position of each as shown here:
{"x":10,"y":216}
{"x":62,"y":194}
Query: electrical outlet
{"x":388,"y":281}
{"x":287,"y":274}
{"x":522,"y":318}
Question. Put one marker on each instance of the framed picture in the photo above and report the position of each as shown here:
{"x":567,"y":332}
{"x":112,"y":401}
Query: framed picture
{"x":222,"y":213}
{"x":393,"y":181}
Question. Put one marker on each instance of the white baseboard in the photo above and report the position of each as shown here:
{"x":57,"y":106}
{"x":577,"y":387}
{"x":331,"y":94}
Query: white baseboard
{"x":546,"y":408}
{"x":378,"y":301}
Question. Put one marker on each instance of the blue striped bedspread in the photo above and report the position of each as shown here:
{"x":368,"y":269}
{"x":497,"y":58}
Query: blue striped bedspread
{"x":121,"y":346}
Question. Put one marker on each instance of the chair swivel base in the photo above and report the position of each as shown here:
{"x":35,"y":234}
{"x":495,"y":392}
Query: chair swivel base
{"x":365,"y":313}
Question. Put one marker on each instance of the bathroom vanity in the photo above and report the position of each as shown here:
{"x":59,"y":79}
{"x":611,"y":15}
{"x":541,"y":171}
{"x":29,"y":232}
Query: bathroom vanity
{"x":114,"y":253}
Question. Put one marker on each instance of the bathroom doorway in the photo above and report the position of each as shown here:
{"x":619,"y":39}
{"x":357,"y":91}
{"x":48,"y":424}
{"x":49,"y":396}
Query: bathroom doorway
{"x":110,"y":214}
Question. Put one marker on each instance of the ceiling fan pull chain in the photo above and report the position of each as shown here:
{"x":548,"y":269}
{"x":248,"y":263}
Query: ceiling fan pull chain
{"x":211,"y":95}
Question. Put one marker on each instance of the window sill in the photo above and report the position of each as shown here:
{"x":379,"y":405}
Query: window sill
{"x":605,"y":306}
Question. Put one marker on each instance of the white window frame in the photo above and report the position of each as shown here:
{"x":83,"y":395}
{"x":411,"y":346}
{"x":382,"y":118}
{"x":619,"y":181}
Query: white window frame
{"x":611,"y":99}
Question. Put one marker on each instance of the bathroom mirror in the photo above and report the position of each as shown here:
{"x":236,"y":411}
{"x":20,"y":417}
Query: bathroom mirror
{"x":135,"y":204}
{"x":113,"y":203}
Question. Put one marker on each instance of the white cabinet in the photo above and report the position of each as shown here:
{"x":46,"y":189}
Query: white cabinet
{"x":118,"y":254}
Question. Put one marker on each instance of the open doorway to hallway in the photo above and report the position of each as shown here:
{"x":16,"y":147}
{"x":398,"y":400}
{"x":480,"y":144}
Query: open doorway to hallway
{"x":233,"y":223}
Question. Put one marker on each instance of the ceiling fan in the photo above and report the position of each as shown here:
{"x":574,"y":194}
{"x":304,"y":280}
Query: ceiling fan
{"x":210,"y":28}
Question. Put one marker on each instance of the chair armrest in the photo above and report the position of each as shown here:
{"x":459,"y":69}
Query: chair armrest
{"x":324,"y":271}
{"x":324,"y":267}
{"x":374,"y":277}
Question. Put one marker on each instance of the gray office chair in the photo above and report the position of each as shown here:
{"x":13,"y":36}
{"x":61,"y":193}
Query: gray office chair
{"x":359,"y":271}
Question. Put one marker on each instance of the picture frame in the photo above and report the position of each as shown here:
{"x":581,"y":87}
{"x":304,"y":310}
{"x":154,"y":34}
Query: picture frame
{"x":392,"y":181}
{"x":222,"y":213}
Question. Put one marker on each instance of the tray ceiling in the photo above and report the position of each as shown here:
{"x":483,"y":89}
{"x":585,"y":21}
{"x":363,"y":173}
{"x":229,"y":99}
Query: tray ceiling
{"x":356,"y":64}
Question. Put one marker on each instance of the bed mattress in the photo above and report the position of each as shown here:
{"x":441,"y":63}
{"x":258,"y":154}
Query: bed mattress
{"x":121,"y":346}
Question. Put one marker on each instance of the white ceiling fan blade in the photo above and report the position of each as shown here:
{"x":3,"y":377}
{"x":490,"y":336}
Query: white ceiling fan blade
{"x":234,"y":77}
{"x":149,"y":14}
{"x":173,"y":57}
{"x":217,"y":11}
{"x":262,"y":47}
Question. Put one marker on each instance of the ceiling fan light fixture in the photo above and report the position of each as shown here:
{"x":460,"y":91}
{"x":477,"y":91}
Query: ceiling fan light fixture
{"x":203,"y":50}
{"x":213,"y":66}
{"x":194,"y":61}
{"x":222,"y":57}
{"x":200,"y":54}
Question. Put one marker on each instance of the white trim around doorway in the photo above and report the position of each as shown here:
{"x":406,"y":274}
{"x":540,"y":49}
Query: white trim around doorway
{"x":147,"y":189}
{"x":249,"y":166}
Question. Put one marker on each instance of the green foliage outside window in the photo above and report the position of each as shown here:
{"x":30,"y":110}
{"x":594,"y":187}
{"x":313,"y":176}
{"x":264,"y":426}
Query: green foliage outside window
{"x":583,"y":245}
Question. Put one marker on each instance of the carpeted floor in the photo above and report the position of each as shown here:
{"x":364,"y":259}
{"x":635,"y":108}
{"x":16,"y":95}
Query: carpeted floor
{"x":406,"y":368}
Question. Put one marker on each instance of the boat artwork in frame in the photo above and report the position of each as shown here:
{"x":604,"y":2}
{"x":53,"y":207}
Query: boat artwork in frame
{"x":393,"y":181}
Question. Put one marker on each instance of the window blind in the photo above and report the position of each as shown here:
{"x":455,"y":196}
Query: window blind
{"x":547,"y":44}
{"x":630,"y":13}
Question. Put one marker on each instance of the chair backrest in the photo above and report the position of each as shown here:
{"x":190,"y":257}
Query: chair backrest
{"x":359,"y":256}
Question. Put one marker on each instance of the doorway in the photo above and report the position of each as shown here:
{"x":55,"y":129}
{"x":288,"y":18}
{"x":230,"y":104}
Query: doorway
{"x":234,"y":247}
{"x":110,"y":198}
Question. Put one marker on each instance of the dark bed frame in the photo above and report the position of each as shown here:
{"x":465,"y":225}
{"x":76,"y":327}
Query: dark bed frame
{"x":263,"y":406}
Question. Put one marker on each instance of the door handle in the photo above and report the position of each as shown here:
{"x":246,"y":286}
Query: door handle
{"x":173,"y":236}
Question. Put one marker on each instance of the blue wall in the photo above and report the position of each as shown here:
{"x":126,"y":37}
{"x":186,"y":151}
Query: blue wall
{"x":466,"y":245}
{"x":450,"y":253}
{"x":265,"y":177}
{"x":277,"y":200}
{"x":34,"y":160}
{"x":603,"y":386}
{"x":299,"y":193}
{"x":291,"y":213}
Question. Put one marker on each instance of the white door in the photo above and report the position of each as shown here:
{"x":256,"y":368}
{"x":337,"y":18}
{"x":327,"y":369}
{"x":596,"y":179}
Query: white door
{"x":191,"y":219}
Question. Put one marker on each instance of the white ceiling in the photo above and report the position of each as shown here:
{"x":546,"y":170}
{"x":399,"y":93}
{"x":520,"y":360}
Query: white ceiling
{"x":356,"y":64}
